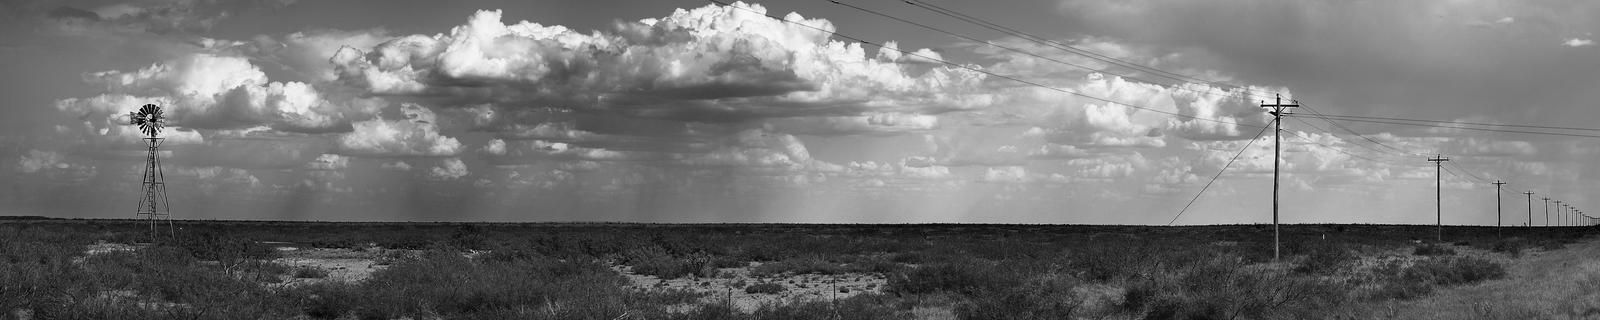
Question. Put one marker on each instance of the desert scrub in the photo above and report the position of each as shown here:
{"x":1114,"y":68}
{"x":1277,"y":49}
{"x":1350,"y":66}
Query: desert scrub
{"x":1047,"y":296}
{"x":1455,"y":270}
{"x":1512,"y":247}
{"x":1433,"y":249}
{"x":1324,"y":258}
{"x":964,"y":276}
{"x":798,"y":265}
{"x":765,"y":288}
{"x":444,"y":283}
{"x":309,"y":272}
{"x":1421,"y":277}
{"x":1224,"y":287}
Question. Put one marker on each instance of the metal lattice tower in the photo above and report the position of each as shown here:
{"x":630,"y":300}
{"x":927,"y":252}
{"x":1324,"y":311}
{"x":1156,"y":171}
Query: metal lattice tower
{"x":153,"y":205}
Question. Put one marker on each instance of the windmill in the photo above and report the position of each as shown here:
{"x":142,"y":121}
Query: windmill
{"x":153,"y":206}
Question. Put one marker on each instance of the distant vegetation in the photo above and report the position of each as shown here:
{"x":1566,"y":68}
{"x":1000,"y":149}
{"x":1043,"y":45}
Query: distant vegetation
{"x":564,"y":271}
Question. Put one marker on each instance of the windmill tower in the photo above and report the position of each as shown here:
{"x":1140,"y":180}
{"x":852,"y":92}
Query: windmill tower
{"x":153,"y":206}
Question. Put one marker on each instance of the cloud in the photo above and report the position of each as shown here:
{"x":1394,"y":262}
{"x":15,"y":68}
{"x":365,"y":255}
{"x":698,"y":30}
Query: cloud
{"x":328,"y":161}
{"x":306,"y":53}
{"x":1576,"y":42}
{"x":876,"y":123}
{"x":1005,"y":175}
{"x":204,"y":91}
{"x":397,"y":166}
{"x":1484,"y":147}
{"x":449,"y":169}
{"x":37,"y":160}
{"x":711,"y":63}
{"x":413,"y":136}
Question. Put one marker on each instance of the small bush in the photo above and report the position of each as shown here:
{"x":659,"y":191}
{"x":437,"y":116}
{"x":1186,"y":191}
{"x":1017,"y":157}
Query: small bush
{"x":213,"y":246}
{"x":807,"y":265}
{"x":306,"y":272}
{"x":1455,"y":271}
{"x":1046,"y":297}
{"x":1512,"y":247}
{"x":1324,"y":258}
{"x":765,"y":288}
{"x":1433,"y":250}
{"x":968,"y":276}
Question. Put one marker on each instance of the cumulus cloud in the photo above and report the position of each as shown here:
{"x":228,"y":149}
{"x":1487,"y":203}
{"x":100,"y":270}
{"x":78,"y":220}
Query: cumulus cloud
{"x":1485,"y":147}
{"x":449,"y":169}
{"x":708,"y":63}
{"x":1005,"y":174}
{"x":412,"y":136}
{"x":205,"y":91}
{"x":877,"y":123}
{"x":397,"y":166}
{"x":37,"y":160}
{"x":328,"y":162}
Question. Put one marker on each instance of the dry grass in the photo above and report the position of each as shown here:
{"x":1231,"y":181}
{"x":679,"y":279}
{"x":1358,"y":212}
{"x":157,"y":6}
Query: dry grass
{"x":57,"y":270}
{"x":1563,"y":284}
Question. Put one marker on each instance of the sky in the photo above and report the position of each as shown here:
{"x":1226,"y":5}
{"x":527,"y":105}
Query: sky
{"x":1102,"y":112}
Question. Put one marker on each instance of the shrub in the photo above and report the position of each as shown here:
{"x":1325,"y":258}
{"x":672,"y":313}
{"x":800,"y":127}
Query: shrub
{"x":655,"y":261}
{"x":1047,"y":297}
{"x":1106,"y":263}
{"x":805,"y":265}
{"x":214,"y":246}
{"x":307,"y":272}
{"x":1420,"y":278}
{"x":765,"y":288}
{"x":1324,"y":258}
{"x":443,"y":283}
{"x":1511,"y":247}
{"x":1221,"y":288}
{"x":966,"y":276}
{"x":1433,"y":250}
{"x":1455,"y":270}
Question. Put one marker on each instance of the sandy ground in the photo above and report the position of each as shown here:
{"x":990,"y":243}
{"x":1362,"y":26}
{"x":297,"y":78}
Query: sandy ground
{"x":727,"y":288}
{"x":344,"y":265}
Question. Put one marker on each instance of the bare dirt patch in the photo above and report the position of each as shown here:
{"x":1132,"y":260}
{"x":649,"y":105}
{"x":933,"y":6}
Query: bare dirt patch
{"x":344,"y":265}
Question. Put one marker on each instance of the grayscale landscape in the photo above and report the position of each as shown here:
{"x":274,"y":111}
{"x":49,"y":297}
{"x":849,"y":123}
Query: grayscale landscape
{"x":808,"y":159}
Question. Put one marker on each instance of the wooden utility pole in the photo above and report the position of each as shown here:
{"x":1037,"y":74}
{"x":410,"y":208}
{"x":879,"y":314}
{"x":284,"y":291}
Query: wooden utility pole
{"x":1278,"y":109}
{"x":1530,"y":207}
{"x":1546,"y":211}
{"x":1559,"y":208}
{"x":1438,"y":195}
{"x":1498,"y":223}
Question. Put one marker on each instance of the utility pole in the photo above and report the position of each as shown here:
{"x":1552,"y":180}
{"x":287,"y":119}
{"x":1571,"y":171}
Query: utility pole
{"x":1497,"y":216}
{"x":1559,"y":207}
{"x":1278,"y":110}
{"x":1561,"y":220}
{"x":1438,"y":195}
{"x":1546,"y":211}
{"x":1530,"y":207}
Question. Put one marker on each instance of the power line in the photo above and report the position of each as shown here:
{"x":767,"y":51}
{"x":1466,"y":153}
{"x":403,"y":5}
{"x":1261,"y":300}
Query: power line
{"x":1468,"y":172}
{"x":979,"y":70}
{"x":1320,"y":115}
{"x":1219,"y":175}
{"x":1337,"y":149}
{"x":1324,"y":130}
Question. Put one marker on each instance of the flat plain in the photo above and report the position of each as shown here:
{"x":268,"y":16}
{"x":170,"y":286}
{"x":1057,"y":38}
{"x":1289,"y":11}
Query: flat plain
{"x":110,"y":269}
